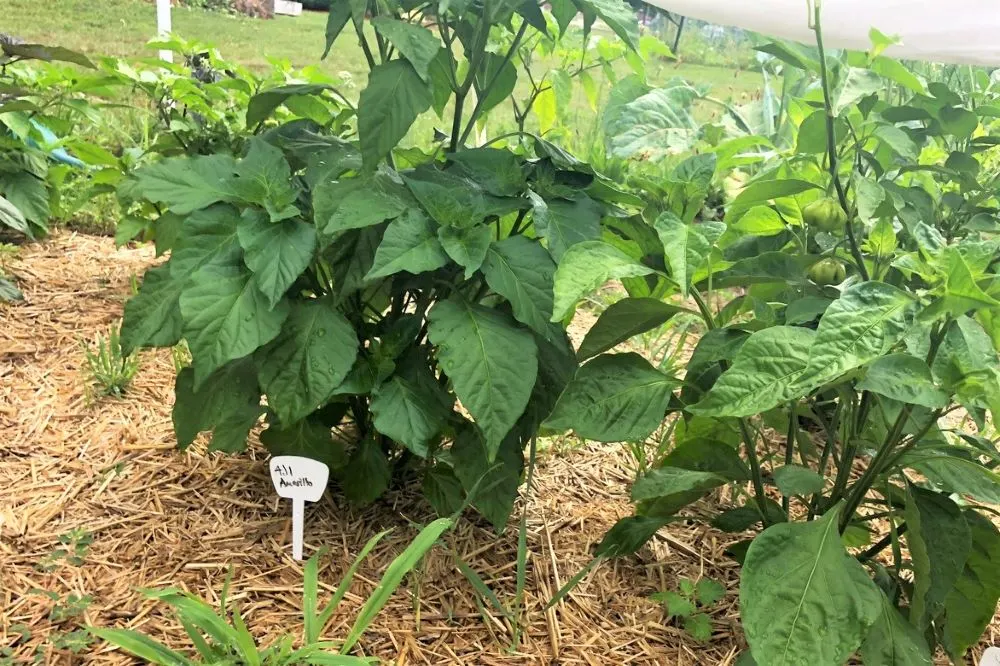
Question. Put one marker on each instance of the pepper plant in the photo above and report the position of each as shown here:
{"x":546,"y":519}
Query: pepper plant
{"x":367,"y":289}
{"x":845,"y":393}
{"x":37,"y":107}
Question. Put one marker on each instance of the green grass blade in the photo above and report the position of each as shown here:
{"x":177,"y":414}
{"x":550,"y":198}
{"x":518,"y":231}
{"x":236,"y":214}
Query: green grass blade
{"x":203,"y":648}
{"x":141,"y":646}
{"x":482,"y":589}
{"x":201,"y":615}
{"x":224,"y":595}
{"x":403,"y":564}
{"x":345,"y":584}
{"x":247,"y":646}
{"x":315,"y":654}
{"x":310,"y":592}
{"x":573,"y":582}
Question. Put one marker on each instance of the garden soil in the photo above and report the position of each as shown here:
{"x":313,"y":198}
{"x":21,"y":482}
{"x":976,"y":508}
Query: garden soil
{"x":70,"y":459}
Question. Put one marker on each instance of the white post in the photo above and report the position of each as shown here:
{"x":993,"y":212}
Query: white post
{"x":298,"y":518}
{"x":163,"y":26}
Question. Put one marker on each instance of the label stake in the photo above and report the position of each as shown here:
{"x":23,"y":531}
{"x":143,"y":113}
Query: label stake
{"x":300,"y":480}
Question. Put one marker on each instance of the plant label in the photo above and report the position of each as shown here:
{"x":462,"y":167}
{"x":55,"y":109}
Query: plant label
{"x":991,"y":657}
{"x":300,"y":480}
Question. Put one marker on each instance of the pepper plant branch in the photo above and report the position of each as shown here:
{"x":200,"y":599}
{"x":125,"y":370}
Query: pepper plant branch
{"x":749,"y":441}
{"x":831,"y":144}
{"x":789,"y":450}
{"x":481,"y":97}
{"x":364,"y":46}
{"x":880,"y":460}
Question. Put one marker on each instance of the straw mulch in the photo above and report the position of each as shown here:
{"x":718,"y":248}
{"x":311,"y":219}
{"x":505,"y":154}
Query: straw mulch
{"x":164,"y":518}
{"x":161,"y":518}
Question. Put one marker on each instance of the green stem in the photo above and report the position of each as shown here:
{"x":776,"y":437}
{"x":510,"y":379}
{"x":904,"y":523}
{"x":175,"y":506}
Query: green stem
{"x":482,"y":95}
{"x":516,"y":228}
{"x":706,"y":313}
{"x":913,"y":440}
{"x":749,"y":441}
{"x":758,"y":483}
{"x":860,"y":488}
{"x":881,"y":461}
{"x":522,"y":548}
{"x":831,"y":440}
{"x":456,"y":123}
{"x":846,"y":461}
{"x":364,"y":46}
{"x":789,"y":451}
{"x":831,"y":145}
{"x":881,"y":545}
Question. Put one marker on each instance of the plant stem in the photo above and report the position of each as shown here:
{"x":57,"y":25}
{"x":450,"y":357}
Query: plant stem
{"x":860,"y":488}
{"x":522,"y":548}
{"x":706,"y":313}
{"x":456,"y":123}
{"x":881,"y":545}
{"x":516,"y":228}
{"x":831,"y":145}
{"x":758,"y":483}
{"x":881,"y":461}
{"x":750,"y":442}
{"x":482,"y":95}
{"x":831,"y":440}
{"x":846,"y":461}
{"x":364,"y":46}
{"x":914,"y":439}
{"x":789,"y":451}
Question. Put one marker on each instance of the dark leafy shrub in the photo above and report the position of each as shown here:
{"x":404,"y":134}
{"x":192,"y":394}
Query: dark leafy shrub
{"x":366,"y":289}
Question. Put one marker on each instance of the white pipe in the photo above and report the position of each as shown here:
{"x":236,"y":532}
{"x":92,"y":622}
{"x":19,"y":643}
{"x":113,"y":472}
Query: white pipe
{"x":957,"y":31}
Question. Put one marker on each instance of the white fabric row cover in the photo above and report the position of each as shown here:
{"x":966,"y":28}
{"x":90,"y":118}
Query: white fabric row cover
{"x":954,"y":31}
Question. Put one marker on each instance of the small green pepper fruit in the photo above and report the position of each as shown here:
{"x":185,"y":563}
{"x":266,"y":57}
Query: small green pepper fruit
{"x":825,"y":215}
{"x":827,"y":271}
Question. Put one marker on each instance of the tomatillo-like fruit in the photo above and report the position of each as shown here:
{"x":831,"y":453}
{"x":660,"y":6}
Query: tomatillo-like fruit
{"x":825,"y":215}
{"x":827,"y":271}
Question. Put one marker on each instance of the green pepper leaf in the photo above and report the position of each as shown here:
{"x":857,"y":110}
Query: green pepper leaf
{"x":491,"y":362}
{"x":797,"y":578}
{"x":308,"y":360}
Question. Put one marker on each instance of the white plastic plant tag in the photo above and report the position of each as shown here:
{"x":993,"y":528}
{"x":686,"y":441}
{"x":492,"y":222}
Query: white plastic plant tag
{"x":991,"y":657}
{"x":300,"y":480}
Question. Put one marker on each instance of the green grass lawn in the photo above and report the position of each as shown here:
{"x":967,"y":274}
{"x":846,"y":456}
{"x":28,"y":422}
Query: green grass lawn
{"x":122,"y":28}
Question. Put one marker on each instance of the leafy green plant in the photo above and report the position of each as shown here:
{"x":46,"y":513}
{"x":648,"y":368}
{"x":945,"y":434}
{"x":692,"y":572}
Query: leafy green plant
{"x":198,"y":106}
{"x":73,"y":549}
{"x":30,"y":104}
{"x":8,"y":288}
{"x":20,"y":633}
{"x":74,"y":642}
{"x":222,"y":637}
{"x":66,"y":610}
{"x":364,"y":287}
{"x":111,"y":368}
{"x":69,"y":607}
{"x":688,"y":603}
{"x":818,"y":396}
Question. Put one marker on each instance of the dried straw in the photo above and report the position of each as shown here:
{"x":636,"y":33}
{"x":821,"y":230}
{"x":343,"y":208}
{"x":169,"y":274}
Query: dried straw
{"x":160,"y":517}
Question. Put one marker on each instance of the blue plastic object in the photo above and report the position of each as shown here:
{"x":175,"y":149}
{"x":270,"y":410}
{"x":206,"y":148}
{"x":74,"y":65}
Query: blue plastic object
{"x":58,"y":154}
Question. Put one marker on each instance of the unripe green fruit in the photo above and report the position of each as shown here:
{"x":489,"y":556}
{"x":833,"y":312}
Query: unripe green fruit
{"x":827,"y":271}
{"x":825,"y":215}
